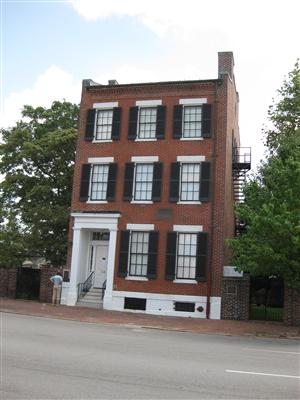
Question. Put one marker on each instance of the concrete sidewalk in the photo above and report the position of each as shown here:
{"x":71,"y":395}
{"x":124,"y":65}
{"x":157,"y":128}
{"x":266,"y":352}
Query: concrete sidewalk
{"x":224,"y":327}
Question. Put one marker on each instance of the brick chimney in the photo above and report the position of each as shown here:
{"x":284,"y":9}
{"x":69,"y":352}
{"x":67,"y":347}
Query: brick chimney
{"x":225,"y":64}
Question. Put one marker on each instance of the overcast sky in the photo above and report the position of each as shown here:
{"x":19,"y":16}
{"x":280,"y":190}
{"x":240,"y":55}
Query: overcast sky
{"x":48,"y":47}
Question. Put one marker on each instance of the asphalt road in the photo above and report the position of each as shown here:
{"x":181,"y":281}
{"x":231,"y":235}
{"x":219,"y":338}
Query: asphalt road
{"x":55,"y":359}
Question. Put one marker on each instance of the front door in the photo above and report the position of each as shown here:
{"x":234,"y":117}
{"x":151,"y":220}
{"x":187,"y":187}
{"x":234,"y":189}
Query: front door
{"x":101,"y":252}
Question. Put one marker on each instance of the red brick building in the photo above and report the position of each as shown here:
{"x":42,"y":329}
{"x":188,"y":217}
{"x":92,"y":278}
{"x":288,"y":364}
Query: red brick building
{"x":153,"y":194}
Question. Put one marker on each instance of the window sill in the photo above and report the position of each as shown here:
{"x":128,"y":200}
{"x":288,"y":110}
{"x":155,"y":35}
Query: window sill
{"x":189,"y":202}
{"x":146,"y":140}
{"x":195,"y":138}
{"x":137,"y":278}
{"x":188,"y":281}
{"x":141,"y":202}
{"x":97,"y":202}
{"x":102,"y":141}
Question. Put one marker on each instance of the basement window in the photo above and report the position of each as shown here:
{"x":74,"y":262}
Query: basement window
{"x":183,"y":306}
{"x":133,"y":303}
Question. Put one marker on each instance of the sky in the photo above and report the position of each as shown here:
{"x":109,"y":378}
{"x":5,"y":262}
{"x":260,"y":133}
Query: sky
{"x":48,"y":46}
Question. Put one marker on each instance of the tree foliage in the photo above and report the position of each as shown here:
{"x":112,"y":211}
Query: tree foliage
{"x":37,"y":158}
{"x":271,"y":243}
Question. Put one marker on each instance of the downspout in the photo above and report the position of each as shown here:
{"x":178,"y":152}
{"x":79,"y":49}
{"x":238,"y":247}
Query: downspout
{"x":212,"y":230}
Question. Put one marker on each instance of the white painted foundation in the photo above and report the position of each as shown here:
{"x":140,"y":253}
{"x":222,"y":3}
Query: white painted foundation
{"x":163,"y":304}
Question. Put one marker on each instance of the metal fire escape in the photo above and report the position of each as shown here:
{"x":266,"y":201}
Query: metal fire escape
{"x":241,"y":164}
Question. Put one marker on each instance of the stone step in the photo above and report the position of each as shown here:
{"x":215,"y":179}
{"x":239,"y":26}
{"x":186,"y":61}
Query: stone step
{"x":82,"y":303}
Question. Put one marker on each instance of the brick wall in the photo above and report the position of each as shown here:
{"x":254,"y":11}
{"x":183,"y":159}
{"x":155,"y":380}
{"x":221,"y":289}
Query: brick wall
{"x":46,"y":286}
{"x":235,"y":298}
{"x":217,"y":150}
{"x":8,"y":282}
{"x":291,"y":312}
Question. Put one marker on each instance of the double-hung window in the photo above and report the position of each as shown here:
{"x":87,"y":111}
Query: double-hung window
{"x":192,"y":116}
{"x":99,"y":179}
{"x":192,"y":119}
{"x":147,"y":123}
{"x":186,"y":256}
{"x":138,"y":259}
{"x":103,"y":122}
{"x":147,"y":120}
{"x":143,"y":179}
{"x":143,"y":182}
{"x":190,"y":182}
{"x":103,"y":127}
{"x":138,"y":252}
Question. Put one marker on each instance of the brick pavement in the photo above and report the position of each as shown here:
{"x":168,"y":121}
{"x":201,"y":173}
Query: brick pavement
{"x":224,"y":327}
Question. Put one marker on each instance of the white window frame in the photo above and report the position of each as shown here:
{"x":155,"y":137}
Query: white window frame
{"x":138,"y":231}
{"x":97,"y":161}
{"x":104,"y":201}
{"x":103,"y":107}
{"x":142,"y":104}
{"x":190,"y":103}
{"x":193,"y":231}
{"x":189,"y":160}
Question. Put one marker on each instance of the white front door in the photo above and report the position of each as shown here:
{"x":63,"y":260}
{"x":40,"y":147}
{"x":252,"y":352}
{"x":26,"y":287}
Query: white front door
{"x":100,"y":252}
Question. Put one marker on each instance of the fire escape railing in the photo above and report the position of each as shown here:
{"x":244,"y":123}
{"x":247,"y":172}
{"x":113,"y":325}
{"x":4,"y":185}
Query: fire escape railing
{"x":241,"y":164}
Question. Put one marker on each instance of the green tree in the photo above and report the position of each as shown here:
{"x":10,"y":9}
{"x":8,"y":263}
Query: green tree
{"x":271,"y":243}
{"x":37,"y":158}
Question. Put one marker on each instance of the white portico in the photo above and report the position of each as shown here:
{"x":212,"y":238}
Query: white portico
{"x":94,"y":249}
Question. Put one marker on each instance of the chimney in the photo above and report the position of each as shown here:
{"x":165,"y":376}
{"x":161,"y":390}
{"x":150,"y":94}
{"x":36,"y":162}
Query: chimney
{"x":225,"y":64}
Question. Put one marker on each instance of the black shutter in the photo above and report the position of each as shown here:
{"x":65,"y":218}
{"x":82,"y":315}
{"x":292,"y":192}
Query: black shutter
{"x":177,"y":121}
{"x":132,"y":123}
{"x":152,"y":254}
{"x":174,"y":182}
{"x":124,"y":251}
{"x":156,"y":184}
{"x":111,"y":182}
{"x":90,"y":125}
{"x":204,"y":182}
{"x":201,"y":258}
{"x":206,"y":121}
{"x":116,"y":123}
{"x":128,"y":181}
{"x":85,"y":182}
{"x":171,"y":255}
{"x":160,"y":122}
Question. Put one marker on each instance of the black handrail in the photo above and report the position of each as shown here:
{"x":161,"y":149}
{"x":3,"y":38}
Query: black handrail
{"x":84,"y":287}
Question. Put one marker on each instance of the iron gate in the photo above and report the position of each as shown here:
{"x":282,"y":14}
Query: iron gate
{"x":266,"y":298}
{"x":28,"y":284}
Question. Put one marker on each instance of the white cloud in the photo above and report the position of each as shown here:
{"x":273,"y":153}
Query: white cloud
{"x":53,"y":84}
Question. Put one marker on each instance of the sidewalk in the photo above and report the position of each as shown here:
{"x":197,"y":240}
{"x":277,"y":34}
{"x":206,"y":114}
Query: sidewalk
{"x":193,"y":325}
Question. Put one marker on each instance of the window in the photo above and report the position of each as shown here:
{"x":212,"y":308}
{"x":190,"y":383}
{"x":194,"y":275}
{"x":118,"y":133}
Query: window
{"x":147,"y":123}
{"x":103,"y":124}
{"x":192,"y":117}
{"x":190,"y":182}
{"x":186,"y":256}
{"x":143,"y":182}
{"x":99,"y":182}
{"x":138,"y":260}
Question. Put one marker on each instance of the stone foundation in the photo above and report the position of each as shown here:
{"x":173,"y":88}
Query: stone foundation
{"x":291,"y":312}
{"x":235,"y":298}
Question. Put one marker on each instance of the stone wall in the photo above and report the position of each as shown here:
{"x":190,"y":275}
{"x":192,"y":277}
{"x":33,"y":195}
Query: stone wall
{"x":46,"y":286}
{"x":8,"y":282}
{"x":235,"y":298}
{"x":291,"y":312}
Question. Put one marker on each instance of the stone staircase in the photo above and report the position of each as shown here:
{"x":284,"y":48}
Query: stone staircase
{"x":92,"y":299}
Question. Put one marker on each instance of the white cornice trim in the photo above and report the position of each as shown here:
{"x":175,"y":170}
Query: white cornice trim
{"x":190,"y":159}
{"x":148,"y":103}
{"x":100,"y":160}
{"x":193,"y":102}
{"x":188,"y":228}
{"x":106,"y":105}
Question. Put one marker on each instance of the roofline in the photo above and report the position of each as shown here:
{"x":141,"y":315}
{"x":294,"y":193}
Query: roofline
{"x":94,"y":85}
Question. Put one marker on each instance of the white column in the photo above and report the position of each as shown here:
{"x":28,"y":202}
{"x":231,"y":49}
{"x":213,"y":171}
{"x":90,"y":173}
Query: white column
{"x":110,"y":268}
{"x":75,"y":263}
